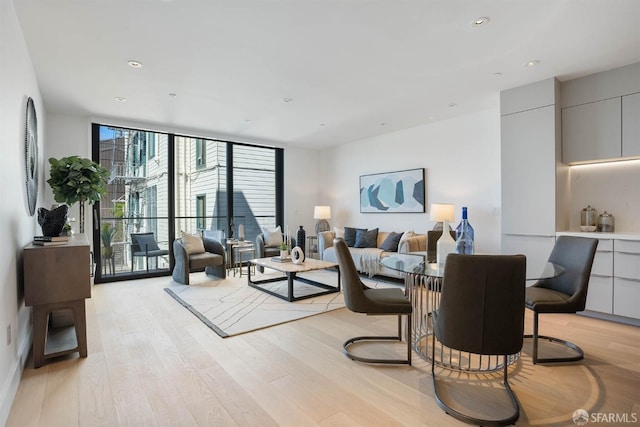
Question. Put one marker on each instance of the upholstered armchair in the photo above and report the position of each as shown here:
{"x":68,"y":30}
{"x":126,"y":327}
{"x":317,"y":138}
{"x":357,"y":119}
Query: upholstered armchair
{"x":191,"y":256}
{"x":269,"y":246}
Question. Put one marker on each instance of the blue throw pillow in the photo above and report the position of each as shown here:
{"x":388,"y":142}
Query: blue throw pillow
{"x":390,"y":244}
{"x":366,"y":238}
{"x":350,"y":235}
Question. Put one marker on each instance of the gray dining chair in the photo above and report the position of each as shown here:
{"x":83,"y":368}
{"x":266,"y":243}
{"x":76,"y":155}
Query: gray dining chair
{"x":360,"y":298}
{"x":566,"y":293}
{"x":481,"y":311}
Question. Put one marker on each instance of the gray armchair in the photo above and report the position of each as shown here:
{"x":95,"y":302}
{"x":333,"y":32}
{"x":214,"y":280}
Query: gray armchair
{"x":265,"y":251}
{"x":212,"y":261}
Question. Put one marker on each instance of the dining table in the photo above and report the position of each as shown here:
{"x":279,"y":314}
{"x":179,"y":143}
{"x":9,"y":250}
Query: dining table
{"x":423,"y":279}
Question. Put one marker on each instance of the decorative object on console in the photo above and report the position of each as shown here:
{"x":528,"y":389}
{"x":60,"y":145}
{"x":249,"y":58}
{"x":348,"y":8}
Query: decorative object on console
{"x":446,"y":245}
{"x":77,"y":180}
{"x":393,"y":192}
{"x":301,"y":238}
{"x":52,"y":221}
{"x":241,"y":232}
{"x":31,"y":156}
{"x":322,"y":214}
{"x":606,"y":222}
{"x":588,"y":219}
{"x":297,"y":255}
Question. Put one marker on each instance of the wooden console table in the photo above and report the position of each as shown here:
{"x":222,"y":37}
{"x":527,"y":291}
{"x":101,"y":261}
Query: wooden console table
{"x":57,"y":278}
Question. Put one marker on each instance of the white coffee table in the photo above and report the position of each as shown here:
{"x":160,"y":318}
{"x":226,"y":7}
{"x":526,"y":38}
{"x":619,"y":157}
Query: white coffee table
{"x":291,"y":271}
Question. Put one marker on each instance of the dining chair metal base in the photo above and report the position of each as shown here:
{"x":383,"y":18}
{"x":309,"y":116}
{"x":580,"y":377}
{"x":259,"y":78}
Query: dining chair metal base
{"x":578,"y":356}
{"x":511,"y":419}
{"x":398,"y":338}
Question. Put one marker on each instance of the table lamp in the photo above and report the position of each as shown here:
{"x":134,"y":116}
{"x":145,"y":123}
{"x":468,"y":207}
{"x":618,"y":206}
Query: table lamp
{"x":443,"y":212}
{"x":322,"y":214}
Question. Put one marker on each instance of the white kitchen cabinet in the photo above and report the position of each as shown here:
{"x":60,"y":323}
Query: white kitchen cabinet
{"x":592,"y":131}
{"x":626,"y":278}
{"x":631,"y":125}
{"x":600,"y":291}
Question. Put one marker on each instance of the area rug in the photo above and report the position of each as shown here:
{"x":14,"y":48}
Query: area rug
{"x":231,"y":307}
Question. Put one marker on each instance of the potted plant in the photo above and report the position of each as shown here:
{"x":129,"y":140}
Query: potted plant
{"x":74,"y":179}
{"x":284,"y":251}
{"x":107,"y":233}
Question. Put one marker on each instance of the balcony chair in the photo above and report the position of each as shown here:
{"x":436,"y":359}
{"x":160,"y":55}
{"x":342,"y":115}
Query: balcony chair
{"x":145,"y":245}
{"x":481,"y":311}
{"x":566,"y":293}
{"x":359,"y":298}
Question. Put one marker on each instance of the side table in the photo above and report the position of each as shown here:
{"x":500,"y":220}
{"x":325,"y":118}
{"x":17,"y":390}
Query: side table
{"x":56,"y":278}
{"x":312,"y":247}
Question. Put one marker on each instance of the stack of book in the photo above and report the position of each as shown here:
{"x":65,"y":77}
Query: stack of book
{"x":50,"y":240}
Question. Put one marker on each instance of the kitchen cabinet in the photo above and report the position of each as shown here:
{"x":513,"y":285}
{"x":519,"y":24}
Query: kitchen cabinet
{"x":57,"y":279}
{"x":600,"y":292}
{"x":529,"y":151}
{"x":592,"y":132}
{"x":626,"y":278}
{"x":631,"y":125}
{"x":614,"y":285}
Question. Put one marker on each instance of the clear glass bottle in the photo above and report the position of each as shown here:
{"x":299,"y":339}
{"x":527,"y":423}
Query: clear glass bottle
{"x":464,"y":235}
{"x":606,"y":223}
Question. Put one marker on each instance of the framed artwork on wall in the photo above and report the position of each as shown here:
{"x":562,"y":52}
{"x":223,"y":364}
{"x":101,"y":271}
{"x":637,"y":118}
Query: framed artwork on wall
{"x":393,"y":192}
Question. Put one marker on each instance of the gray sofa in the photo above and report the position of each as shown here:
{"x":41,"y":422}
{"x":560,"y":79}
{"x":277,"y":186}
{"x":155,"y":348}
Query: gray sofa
{"x":367,"y":259}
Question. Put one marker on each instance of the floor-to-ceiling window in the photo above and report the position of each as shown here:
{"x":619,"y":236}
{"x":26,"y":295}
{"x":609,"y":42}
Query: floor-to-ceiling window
{"x":164,"y":184}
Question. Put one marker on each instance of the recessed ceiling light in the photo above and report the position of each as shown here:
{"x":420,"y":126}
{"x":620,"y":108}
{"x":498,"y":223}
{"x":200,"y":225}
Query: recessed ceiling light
{"x":288,"y":100}
{"x":383,"y":124}
{"x":247,"y":121}
{"x":532,"y":63}
{"x":453,"y":105}
{"x":173,"y":95}
{"x":497,"y":74}
{"x":322,"y":124}
{"x":121,"y":99}
{"x":479,"y":22}
{"x":135,"y":64}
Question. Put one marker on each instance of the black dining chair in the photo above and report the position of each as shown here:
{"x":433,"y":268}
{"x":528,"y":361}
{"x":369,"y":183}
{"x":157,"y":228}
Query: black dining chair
{"x":566,"y":293}
{"x":481,"y":311}
{"x":360,"y":298}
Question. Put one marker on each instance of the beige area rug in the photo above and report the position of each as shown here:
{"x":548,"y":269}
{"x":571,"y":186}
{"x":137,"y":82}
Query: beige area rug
{"x":231,"y":307}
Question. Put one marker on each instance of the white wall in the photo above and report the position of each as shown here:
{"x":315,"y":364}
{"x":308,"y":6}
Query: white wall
{"x":461,"y":157}
{"x":17,"y":228}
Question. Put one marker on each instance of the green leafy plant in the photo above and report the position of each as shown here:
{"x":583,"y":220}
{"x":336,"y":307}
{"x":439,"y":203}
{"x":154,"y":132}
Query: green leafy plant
{"x":77,"y":180}
{"x":107,"y":233}
{"x":283,"y":246}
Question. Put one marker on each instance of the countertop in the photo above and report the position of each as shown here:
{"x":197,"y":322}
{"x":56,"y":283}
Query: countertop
{"x":624,"y":235}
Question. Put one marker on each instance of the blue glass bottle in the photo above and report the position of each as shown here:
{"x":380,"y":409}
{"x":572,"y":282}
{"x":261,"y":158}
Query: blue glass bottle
{"x":464,"y":235}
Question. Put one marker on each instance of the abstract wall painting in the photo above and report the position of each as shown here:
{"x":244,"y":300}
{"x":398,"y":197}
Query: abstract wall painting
{"x":393,"y":192}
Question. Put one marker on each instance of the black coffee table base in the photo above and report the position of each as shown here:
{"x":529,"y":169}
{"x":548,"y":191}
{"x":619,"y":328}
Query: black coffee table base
{"x":290,"y":277}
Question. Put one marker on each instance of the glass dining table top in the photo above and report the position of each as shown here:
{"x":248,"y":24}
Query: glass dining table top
{"x":417,"y":263}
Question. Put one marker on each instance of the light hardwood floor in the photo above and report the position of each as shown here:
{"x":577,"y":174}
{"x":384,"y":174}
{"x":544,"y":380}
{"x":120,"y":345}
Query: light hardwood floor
{"x":151,"y":362}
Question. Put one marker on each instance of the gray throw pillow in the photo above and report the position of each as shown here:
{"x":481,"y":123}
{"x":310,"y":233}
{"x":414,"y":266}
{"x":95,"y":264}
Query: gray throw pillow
{"x":350,"y":235}
{"x":366,"y":238}
{"x":390,"y":244}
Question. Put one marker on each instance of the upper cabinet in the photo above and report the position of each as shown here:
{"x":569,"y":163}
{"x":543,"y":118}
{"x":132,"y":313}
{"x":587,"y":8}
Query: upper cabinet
{"x":591,"y":132}
{"x":631,"y":125}
{"x":600,"y":116}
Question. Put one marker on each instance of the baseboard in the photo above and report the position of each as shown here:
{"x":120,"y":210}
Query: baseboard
{"x":610,"y":317}
{"x":10,"y":387}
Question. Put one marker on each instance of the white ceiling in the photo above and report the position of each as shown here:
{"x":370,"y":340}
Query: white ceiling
{"x":353,"y":68}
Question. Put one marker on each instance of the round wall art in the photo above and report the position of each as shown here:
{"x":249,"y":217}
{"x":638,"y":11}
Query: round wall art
{"x":31,"y":156}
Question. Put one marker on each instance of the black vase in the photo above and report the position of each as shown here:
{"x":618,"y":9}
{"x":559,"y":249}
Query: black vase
{"x":301,"y":238}
{"x":52,"y":221}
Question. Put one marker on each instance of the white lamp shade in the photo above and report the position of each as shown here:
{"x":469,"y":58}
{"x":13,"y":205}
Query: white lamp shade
{"x":442,"y":212}
{"x":322,"y":212}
